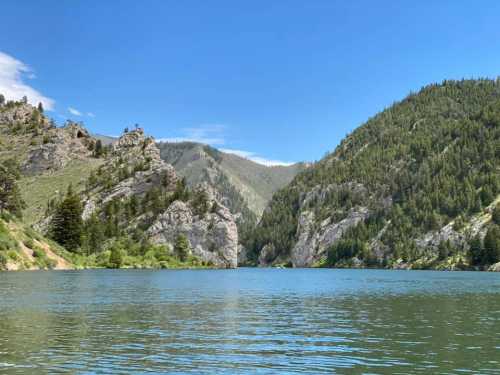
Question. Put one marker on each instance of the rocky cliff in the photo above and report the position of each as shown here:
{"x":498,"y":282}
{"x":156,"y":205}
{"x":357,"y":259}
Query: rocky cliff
{"x":213,"y":236}
{"x":37,"y":143}
{"x":135,"y":171}
{"x":59,"y":146}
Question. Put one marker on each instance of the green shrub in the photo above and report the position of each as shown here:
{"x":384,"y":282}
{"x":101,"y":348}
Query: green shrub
{"x":32,"y":234}
{"x":37,"y":253}
{"x":12,"y":254}
{"x":6,"y":240}
{"x":115,"y":258}
{"x":3,"y":259}
{"x":6,"y":216}
{"x":42,"y":260}
{"x":29,"y":243}
{"x":102,"y":259}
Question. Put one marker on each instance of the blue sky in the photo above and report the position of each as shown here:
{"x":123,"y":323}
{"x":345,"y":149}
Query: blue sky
{"x":277,"y":80}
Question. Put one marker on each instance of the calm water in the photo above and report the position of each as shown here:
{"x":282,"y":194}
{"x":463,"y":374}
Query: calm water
{"x":250,"y":321}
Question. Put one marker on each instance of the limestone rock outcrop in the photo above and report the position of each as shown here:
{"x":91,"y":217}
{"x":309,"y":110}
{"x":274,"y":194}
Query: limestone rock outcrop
{"x":60,"y":146}
{"x":213,"y":237}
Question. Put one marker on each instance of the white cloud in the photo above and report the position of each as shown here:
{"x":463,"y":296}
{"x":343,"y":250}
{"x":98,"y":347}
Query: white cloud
{"x":210,"y":134}
{"x":12,"y":86}
{"x":90,"y":114}
{"x":74,"y":112}
{"x":256,"y":158}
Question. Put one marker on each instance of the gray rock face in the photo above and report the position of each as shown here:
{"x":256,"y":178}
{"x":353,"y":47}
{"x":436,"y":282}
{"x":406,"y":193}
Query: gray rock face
{"x":242,"y":255}
{"x":71,"y":142}
{"x":19,"y":114}
{"x":313,"y":243}
{"x":135,"y":146}
{"x":267,"y":255}
{"x":314,"y":237}
{"x":139,"y":184}
{"x":494,"y":267}
{"x":213,"y":237}
{"x":477,"y":225}
{"x":432,"y":240}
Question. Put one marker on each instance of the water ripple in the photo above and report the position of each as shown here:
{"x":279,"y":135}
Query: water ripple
{"x":249,"y":321}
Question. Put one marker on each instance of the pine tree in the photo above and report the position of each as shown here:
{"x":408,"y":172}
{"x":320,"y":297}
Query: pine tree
{"x":2,"y":100}
{"x":10,"y":196}
{"x":134,"y":205}
{"x":66,"y":227}
{"x":495,"y":216}
{"x":95,"y":234}
{"x":476,"y":251}
{"x":98,"y":150}
{"x":115,"y":258}
{"x":40,"y":107}
{"x":181,"y":247}
{"x":492,"y":245}
{"x":443,"y":250}
{"x":200,"y":202}
{"x":181,"y":192}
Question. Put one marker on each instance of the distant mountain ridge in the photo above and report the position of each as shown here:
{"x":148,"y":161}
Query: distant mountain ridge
{"x":240,"y":181}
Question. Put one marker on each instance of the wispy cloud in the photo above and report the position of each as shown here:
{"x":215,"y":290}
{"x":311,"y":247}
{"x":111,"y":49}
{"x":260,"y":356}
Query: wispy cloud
{"x":256,"y":158}
{"x":74,"y":112}
{"x":12,"y":85}
{"x":213,"y":134}
{"x":90,"y":114}
{"x":210,"y":134}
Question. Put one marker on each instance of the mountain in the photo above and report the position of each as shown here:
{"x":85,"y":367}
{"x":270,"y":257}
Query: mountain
{"x":50,"y":158}
{"x":106,"y":140}
{"x":114,"y":205}
{"x":135,"y":193}
{"x":416,"y":186}
{"x":244,"y":186}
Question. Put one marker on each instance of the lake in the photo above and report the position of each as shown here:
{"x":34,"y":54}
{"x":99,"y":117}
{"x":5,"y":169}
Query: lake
{"x":250,"y":321}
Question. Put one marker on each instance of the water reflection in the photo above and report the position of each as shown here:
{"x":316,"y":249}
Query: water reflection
{"x":249,"y":320}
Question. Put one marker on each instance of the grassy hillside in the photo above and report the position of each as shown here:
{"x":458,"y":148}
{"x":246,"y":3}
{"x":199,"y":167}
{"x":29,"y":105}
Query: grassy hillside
{"x":21,"y":248}
{"x":417,"y":172}
{"x":38,"y":190}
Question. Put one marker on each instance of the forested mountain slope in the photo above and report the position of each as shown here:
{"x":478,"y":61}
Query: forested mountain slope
{"x":415,"y":186}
